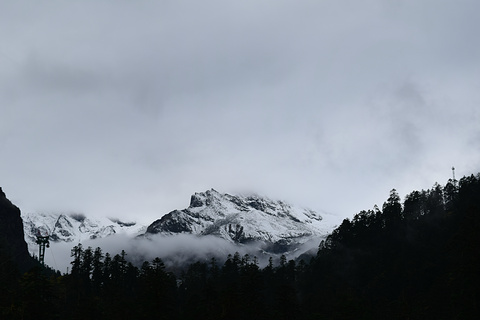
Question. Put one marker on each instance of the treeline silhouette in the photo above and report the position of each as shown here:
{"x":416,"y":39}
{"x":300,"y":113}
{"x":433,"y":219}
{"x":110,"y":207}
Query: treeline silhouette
{"x":413,"y":260}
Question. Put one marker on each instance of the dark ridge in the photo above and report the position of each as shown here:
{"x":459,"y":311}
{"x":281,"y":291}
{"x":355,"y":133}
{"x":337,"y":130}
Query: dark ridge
{"x":12,"y":237}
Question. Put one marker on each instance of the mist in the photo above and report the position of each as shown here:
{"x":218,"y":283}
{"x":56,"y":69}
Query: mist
{"x":176,"y":251}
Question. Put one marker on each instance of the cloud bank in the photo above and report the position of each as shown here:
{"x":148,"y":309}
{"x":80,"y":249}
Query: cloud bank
{"x":125,"y":109}
{"x":177,"y":251}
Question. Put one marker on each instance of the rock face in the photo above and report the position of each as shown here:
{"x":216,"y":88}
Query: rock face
{"x":12,"y":238}
{"x":74,"y":228}
{"x":244,"y":219}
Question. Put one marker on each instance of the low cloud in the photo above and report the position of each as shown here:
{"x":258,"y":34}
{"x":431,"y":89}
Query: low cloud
{"x":176,"y":251}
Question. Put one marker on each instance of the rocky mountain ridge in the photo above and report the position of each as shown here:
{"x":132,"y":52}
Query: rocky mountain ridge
{"x":74,"y":228}
{"x":275,"y":227}
{"x":245,"y":219}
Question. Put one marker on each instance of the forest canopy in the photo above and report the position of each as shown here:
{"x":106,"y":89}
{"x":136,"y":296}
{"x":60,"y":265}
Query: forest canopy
{"x":414,"y":259}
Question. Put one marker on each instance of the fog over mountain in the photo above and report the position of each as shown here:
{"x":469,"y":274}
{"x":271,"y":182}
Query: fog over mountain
{"x":214,"y":225}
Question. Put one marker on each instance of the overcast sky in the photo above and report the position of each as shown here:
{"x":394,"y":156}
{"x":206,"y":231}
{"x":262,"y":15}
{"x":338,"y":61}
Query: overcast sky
{"x":126,"y":108}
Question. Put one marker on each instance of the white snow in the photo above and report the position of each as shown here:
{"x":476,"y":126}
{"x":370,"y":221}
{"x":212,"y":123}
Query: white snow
{"x":210,"y":216}
{"x":258,"y":217}
{"x":72,"y":228}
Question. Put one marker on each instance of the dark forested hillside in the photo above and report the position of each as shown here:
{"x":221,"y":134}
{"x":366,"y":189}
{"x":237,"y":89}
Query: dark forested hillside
{"x":416,"y":259}
{"x":12,"y":241}
{"x":413,"y":261}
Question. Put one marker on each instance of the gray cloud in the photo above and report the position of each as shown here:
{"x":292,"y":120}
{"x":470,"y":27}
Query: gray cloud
{"x":125,"y":110}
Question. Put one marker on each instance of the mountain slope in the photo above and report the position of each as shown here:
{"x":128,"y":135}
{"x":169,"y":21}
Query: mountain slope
{"x":245,"y":219}
{"x":214,"y":224}
{"x":74,"y":228}
{"x":12,"y":241}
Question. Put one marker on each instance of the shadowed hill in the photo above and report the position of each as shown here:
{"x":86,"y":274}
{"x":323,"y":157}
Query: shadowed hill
{"x":12,"y":240}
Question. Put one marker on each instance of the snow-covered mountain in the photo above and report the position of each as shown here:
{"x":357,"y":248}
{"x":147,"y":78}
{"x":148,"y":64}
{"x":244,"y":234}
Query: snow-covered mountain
{"x":213,"y":225}
{"x":74,"y":228}
{"x":245,"y":219}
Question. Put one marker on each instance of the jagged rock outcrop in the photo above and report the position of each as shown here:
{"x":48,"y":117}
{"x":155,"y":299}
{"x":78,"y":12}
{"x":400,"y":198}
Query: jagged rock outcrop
{"x":73,"y":228}
{"x":12,"y":238}
{"x":244,"y":219}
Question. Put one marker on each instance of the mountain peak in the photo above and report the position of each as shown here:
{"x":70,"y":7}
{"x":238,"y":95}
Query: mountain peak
{"x":200,"y":199}
{"x":73,"y":228}
{"x":242,"y":219}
